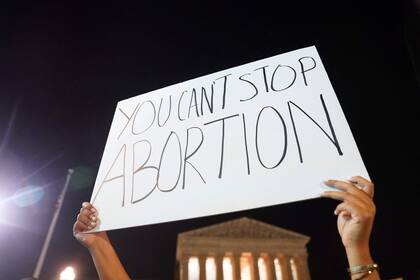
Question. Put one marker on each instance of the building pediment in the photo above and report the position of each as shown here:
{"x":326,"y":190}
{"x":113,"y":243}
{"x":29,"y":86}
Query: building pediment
{"x":245,"y":228}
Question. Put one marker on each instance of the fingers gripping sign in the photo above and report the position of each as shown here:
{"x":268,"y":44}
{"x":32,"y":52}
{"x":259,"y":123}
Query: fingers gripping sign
{"x":356,"y":211}
{"x":106,"y":260}
{"x":364,"y":184}
{"x":86,"y":220}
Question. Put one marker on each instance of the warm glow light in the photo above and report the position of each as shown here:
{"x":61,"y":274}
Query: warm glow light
{"x":68,"y":274}
{"x":277,"y":266}
{"x":245,"y":268}
{"x":262,"y":268}
{"x":193,"y":269}
{"x":294,"y":269}
{"x":227,"y":269}
{"x":210,"y":269}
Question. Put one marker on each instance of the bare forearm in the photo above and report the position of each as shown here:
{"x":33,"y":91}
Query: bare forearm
{"x":361,"y":256}
{"x":107,"y":263}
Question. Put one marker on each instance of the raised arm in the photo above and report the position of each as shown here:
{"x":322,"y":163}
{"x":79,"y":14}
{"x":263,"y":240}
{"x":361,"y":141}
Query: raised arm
{"x":356,"y":214}
{"x":106,"y":260}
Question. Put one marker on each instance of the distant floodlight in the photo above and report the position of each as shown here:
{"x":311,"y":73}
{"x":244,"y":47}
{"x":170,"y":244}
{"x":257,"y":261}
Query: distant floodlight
{"x":68,"y":274}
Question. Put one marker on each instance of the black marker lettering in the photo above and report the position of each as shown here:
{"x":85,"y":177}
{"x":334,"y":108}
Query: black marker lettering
{"x":274,"y":73}
{"x":143,"y":167}
{"x":169,"y":111}
{"x":193,"y":97}
{"x":264,"y":76}
{"x":284,"y":133}
{"x":249,"y":82}
{"x":222,"y":146}
{"x":188,"y":156}
{"x":135,"y":118}
{"x":224,"y":88}
{"x":333,"y":140}
{"x":169,"y":189}
{"x":179,"y":105}
{"x":204,"y":96}
{"x":128,"y":119}
{"x":106,"y":179}
{"x":303,"y":70}
{"x":246,"y":144}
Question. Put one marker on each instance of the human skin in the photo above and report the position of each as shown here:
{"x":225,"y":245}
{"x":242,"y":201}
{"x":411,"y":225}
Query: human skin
{"x":355,"y":216}
{"x":107,"y":262}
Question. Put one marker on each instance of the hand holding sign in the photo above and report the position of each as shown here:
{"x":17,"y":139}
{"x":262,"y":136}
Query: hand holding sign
{"x":86,"y":220}
{"x":355,"y":218}
{"x":106,"y":260}
{"x":356,"y":214}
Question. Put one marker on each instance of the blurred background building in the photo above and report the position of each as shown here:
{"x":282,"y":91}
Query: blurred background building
{"x":244,"y":249}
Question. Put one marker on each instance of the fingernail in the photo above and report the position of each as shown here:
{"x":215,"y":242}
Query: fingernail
{"x":90,"y":227}
{"x":93,"y":223}
{"x":93,"y":218}
{"x":93,"y":210}
{"x":335,"y":212}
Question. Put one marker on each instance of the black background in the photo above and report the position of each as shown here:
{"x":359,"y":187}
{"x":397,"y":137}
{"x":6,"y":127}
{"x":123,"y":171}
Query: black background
{"x":63,"y":67}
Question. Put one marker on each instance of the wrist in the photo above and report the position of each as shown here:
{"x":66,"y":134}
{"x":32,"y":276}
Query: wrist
{"x":99,"y":245}
{"x":358,"y":255}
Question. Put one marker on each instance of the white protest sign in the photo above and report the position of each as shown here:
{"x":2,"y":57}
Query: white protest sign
{"x":263,"y":133}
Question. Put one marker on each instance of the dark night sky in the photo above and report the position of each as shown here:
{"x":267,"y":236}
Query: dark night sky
{"x":63,"y":67}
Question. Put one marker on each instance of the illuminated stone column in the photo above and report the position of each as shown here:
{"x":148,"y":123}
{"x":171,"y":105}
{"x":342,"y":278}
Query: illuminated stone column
{"x":255,"y":271}
{"x":184,"y":267}
{"x":236,"y":266}
{"x":271,"y":270}
{"x":219,"y":267}
{"x":202,"y":264}
{"x":286,"y":270}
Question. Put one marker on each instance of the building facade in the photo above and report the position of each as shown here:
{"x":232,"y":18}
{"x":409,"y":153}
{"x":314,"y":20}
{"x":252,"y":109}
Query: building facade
{"x":242,"y":249}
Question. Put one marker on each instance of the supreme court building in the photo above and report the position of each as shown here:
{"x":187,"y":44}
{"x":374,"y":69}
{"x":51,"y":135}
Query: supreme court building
{"x":244,"y":249}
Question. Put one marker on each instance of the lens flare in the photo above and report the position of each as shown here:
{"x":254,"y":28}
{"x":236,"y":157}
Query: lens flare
{"x":28,"y":195}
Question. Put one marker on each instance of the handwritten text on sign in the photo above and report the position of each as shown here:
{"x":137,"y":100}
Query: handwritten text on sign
{"x":260,"y":134}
